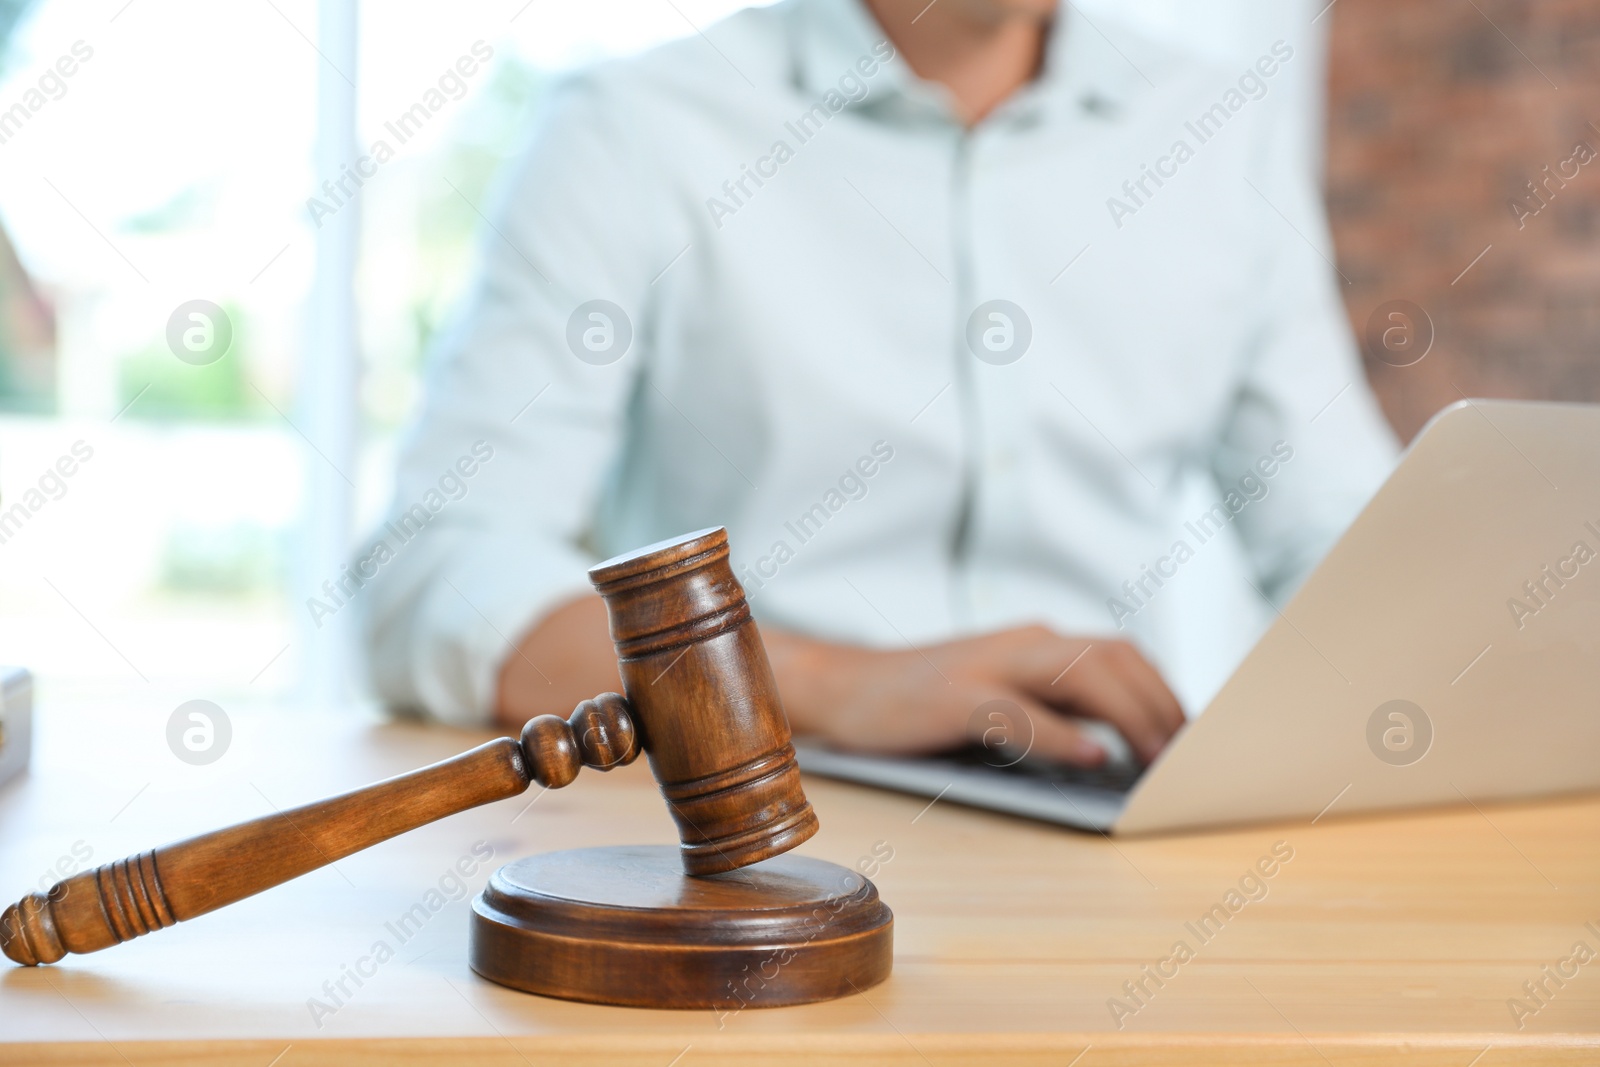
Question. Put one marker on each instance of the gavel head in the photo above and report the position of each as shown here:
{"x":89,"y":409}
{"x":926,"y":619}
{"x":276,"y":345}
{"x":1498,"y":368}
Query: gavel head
{"x":704,"y":701}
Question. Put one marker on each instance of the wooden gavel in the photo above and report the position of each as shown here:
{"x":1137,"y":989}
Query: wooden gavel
{"x":701,"y":703}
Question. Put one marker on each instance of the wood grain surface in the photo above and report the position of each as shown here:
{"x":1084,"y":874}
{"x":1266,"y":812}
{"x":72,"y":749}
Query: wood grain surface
{"x":1398,"y":939}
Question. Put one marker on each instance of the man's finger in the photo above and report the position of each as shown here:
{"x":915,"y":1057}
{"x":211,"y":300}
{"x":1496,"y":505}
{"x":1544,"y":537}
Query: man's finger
{"x":1043,"y":734}
{"x":1142,"y":675}
{"x":1096,"y":689}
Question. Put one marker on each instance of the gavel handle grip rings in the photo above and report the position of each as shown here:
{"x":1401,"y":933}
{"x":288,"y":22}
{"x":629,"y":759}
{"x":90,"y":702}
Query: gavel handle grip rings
{"x":122,"y":900}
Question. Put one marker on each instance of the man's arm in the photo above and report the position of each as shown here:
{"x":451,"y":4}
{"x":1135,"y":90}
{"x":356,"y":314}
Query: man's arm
{"x":471,"y":567}
{"x":909,"y":702}
{"x":1304,"y":423}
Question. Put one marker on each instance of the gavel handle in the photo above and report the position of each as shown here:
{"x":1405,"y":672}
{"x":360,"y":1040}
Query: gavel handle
{"x":122,"y":900}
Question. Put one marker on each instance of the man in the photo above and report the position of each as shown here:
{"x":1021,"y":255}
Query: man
{"x":939,"y":309}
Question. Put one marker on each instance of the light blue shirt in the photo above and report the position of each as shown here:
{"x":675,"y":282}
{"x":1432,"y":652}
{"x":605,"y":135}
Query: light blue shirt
{"x":934,"y":381}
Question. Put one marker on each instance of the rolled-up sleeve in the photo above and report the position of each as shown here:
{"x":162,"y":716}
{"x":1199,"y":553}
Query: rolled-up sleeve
{"x":509,"y":400}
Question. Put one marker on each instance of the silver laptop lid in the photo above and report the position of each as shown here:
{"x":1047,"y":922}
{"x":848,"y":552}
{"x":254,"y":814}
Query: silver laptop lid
{"x":1448,"y":647}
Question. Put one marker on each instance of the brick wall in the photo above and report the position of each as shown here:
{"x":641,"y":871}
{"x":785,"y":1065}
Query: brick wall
{"x":1440,"y":112}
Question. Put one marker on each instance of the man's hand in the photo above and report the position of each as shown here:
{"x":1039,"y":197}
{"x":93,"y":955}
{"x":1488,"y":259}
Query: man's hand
{"x":565,"y":659}
{"x":922,"y":700}
{"x":864,"y":700}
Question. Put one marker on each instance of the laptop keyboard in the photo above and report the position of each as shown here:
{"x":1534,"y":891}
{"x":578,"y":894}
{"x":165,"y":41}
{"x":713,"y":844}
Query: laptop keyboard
{"x":1112,"y":777}
{"x":1084,"y":799}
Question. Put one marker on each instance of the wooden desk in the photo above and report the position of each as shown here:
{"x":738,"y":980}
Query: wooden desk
{"x":1382,"y":941}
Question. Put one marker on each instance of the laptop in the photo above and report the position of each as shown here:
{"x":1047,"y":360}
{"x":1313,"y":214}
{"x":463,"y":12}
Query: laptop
{"x":1446,"y":651}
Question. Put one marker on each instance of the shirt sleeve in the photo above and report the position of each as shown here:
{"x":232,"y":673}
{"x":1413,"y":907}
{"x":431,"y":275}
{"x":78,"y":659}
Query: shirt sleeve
{"x":476,"y":559}
{"x":1304,"y":424}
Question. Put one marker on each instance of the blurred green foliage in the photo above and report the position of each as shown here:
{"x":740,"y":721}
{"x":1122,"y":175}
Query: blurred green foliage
{"x":239,"y":559}
{"x":162,"y":388}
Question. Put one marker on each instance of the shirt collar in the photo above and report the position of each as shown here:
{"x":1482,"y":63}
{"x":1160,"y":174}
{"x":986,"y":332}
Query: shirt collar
{"x":1082,"y":69}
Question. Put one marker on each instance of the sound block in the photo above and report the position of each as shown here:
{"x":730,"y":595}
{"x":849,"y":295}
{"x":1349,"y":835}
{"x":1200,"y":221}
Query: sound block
{"x":625,"y":925}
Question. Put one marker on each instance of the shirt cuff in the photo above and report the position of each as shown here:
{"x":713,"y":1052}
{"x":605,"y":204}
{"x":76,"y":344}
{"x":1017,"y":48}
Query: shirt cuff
{"x":473,"y":614}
